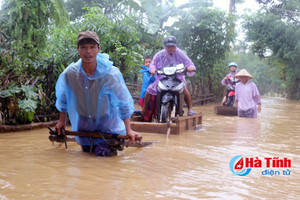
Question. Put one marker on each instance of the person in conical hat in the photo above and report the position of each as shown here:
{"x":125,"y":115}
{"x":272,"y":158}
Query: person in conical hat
{"x":247,"y":97}
{"x":243,"y":73}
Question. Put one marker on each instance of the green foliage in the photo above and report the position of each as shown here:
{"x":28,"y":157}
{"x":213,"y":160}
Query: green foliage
{"x":28,"y":24}
{"x":38,"y":48}
{"x":77,"y":11}
{"x":3,"y":36}
{"x":277,"y":38}
{"x":158,"y":13}
{"x":29,"y":92}
{"x":26,"y":30}
{"x":27,"y":107}
{"x":286,"y":10}
{"x":22,"y":102}
{"x":117,"y":38}
{"x":10,"y":92}
{"x":264,"y":74}
{"x":196,"y":3}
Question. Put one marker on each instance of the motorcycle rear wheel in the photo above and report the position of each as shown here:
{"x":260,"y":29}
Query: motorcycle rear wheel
{"x":166,"y":111}
{"x":230,"y":101}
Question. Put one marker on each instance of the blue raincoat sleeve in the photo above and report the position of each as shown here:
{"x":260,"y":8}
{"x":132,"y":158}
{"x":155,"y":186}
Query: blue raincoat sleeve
{"x":61,"y":98}
{"x":121,"y":98}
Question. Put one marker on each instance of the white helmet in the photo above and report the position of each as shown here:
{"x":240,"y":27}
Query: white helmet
{"x":232,"y":64}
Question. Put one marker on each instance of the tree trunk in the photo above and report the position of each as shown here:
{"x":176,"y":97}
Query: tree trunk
{"x":8,"y":128}
{"x":192,"y":85}
{"x":232,"y":7}
{"x":49,"y":80}
{"x":209,"y":83}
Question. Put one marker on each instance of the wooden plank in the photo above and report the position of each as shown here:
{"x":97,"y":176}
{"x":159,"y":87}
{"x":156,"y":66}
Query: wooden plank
{"x":151,"y":127}
{"x":187,"y":122}
{"x":225,"y":110}
{"x":8,"y":128}
{"x":179,"y":124}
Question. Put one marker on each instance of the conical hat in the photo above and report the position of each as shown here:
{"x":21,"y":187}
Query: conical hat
{"x":243,"y":72}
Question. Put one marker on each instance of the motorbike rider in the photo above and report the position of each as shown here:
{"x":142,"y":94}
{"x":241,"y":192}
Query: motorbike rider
{"x":228,"y":78}
{"x":170,"y":55}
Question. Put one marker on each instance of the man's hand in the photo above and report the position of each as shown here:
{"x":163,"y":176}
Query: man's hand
{"x":225,"y":78}
{"x":61,"y":124}
{"x":259,"y":107}
{"x":190,"y":69}
{"x":133,"y":135}
{"x":152,"y":71}
{"x":235,"y":104}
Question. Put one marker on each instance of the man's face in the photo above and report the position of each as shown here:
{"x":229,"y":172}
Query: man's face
{"x":147,"y":62}
{"x":232,"y":68}
{"x":244,"y":79}
{"x":170,"y":49}
{"x":88,"y":52}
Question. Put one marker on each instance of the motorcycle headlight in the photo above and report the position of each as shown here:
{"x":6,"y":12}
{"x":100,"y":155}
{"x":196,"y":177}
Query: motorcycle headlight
{"x":169,"y":70}
{"x":161,"y":87}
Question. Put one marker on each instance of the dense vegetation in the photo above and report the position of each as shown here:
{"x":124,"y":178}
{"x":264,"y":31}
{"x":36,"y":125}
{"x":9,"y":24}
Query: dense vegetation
{"x":38,"y":40}
{"x":275,"y":33}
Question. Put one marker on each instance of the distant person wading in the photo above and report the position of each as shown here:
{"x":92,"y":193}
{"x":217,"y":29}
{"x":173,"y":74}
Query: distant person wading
{"x":247,"y":97}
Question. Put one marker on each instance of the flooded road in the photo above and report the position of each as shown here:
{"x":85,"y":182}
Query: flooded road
{"x":192,"y":165}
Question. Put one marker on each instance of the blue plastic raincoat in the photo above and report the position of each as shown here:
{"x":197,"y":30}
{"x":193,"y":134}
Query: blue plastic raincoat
{"x":99,"y":102}
{"x":147,"y":80}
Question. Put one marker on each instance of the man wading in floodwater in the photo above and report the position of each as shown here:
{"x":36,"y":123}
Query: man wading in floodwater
{"x":93,"y":93}
{"x":247,"y":97}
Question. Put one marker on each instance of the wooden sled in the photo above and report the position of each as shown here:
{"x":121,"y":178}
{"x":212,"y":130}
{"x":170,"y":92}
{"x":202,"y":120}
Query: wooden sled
{"x":178,"y":125}
{"x":225,"y":110}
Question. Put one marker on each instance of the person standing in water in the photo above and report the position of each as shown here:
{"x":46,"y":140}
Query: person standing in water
{"x":247,"y":97}
{"x":94,"y":95}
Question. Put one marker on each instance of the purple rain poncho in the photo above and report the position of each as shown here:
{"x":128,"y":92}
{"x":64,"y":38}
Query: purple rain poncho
{"x":228,"y":81}
{"x":162,"y":59}
{"x":99,"y":102}
{"x":248,"y":97}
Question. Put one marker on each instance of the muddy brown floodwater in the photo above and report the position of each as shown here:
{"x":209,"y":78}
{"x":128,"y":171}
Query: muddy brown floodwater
{"x":192,"y":165}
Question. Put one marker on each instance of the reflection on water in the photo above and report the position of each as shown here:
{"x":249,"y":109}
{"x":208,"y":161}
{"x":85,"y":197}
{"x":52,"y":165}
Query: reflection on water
{"x":192,"y":165}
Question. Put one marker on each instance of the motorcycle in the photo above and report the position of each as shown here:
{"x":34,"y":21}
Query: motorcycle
{"x":170,"y":93}
{"x":230,"y":93}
